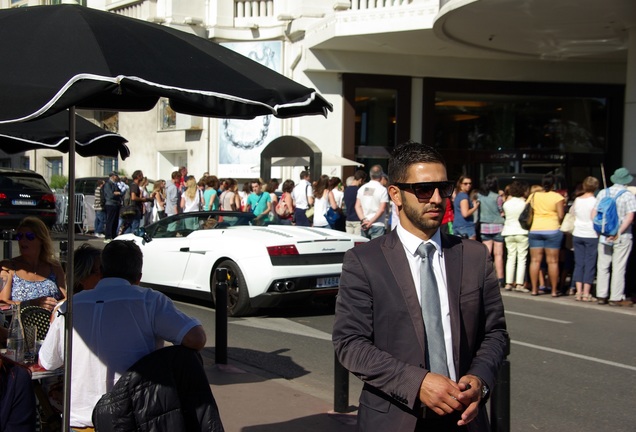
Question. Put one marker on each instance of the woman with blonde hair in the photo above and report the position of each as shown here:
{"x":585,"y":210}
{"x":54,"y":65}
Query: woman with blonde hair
{"x":34,"y":276}
{"x":159,"y":197}
{"x":190,"y":199}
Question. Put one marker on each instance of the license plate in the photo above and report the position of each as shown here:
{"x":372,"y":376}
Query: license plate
{"x":328,"y":282}
{"x":23,"y":202}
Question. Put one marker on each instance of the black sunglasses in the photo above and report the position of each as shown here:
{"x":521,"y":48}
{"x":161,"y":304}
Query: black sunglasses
{"x":29,"y":236}
{"x":426,"y":190}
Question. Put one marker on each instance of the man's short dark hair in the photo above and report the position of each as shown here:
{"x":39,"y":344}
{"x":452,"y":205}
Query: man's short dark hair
{"x":122,"y":259}
{"x":136,"y":174}
{"x":406,"y":154}
{"x":175,"y":174}
{"x":360,"y":175}
{"x":304,"y":175}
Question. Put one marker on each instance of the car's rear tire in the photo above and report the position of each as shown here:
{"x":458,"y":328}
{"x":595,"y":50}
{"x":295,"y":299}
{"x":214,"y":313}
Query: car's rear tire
{"x":238,"y":299}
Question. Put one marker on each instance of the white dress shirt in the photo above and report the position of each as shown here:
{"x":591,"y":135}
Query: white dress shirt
{"x":410,"y":243}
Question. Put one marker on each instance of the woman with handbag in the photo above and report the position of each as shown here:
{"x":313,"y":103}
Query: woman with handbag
{"x":585,"y":241}
{"x":544,"y":236}
{"x":321,"y":202}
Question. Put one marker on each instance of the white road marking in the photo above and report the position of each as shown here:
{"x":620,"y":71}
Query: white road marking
{"x":579,"y":356}
{"x":283,"y":325}
{"x":538,"y":317}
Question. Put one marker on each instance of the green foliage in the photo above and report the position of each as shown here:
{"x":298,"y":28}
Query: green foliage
{"x":58,"y":181}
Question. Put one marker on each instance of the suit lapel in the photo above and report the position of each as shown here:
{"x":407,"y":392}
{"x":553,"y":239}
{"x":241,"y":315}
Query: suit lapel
{"x":402,"y":273}
{"x":453,"y":262}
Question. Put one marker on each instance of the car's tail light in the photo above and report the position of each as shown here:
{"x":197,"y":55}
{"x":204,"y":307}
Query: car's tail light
{"x":358,"y":243}
{"x":3,"y":195}
{"x":49,"y":198}
{"x":282,"y":250}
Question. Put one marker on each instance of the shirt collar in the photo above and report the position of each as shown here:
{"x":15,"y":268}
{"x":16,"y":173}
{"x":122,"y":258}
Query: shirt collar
{"x":411,"y":242}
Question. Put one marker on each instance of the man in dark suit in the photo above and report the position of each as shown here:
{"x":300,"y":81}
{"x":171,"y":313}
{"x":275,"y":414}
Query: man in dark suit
{"x":384,"y":301}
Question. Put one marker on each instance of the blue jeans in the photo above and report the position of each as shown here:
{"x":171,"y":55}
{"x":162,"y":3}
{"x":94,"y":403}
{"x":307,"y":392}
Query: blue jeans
{"x":100,"y":221}
{"x":134,"y":224}
{"x":373,"y":232}
{"x":300,"y":218}
{"x":585,"y":254}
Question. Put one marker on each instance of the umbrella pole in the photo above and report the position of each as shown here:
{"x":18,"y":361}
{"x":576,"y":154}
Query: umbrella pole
{"x":68,"y":335}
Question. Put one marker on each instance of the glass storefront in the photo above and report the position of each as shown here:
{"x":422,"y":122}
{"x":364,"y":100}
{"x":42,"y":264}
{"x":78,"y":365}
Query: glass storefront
{"x":499,"y":128}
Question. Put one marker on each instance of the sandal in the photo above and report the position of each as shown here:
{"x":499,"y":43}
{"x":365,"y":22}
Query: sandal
{"x":587,"y":298}
{"x":508,"y":287}
{"x":521,"y":288}
{"x":577,"y":296}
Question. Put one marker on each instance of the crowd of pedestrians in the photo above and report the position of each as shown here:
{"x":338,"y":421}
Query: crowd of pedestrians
{"x":533,"y":260}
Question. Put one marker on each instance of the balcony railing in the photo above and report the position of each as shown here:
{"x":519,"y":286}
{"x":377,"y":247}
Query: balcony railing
{"x":377,"y":4}
{"x":253,"y":8}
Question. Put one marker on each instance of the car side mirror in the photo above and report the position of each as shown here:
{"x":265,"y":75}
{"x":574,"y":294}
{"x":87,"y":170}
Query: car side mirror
{"x":141,"y":232}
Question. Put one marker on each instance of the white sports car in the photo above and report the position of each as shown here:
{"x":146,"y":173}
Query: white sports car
{"x":266,"y":264}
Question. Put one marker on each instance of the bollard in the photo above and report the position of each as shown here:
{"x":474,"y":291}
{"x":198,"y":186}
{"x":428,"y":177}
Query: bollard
{"x":220,"y":348}
{"x":340,"y":387}
{"x":63,"y":254}
{"x":500,"y":400}
{"x":7,"y":236}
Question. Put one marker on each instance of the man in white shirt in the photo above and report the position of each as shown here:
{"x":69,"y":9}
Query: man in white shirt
{"x":114,"y":325}
{"x":303,"y":199}
{"x":371,"y":204}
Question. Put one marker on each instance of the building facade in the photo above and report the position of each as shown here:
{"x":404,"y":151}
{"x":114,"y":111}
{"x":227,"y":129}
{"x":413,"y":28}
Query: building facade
{"x":497,"y":87}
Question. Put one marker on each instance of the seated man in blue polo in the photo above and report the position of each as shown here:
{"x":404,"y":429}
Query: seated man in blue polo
{"x":114,"y":325}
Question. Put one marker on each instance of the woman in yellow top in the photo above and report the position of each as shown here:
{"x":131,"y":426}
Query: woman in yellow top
{"x":544,"y":233}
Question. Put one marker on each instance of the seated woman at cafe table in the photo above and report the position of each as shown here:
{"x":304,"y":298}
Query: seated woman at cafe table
{"x":34,"y":276}
{"x":87,"y":270}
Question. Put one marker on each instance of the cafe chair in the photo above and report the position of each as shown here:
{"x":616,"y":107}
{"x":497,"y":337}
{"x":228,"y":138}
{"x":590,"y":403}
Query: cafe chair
{"x":38,"y":317}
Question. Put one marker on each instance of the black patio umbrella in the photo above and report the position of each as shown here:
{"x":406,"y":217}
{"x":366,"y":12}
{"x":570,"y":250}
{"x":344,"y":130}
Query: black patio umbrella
{"x":59,"y":56}
{"x":67,"y":56}
{"x":52,"y":133}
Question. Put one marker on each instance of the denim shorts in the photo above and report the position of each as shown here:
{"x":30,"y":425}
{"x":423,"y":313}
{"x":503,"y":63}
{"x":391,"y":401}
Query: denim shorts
{"x":464,"y":232}
{"x":496,"y":237}
{"x":546,"y":239}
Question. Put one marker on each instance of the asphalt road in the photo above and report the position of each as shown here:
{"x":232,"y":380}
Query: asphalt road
{"x":573,"y":365}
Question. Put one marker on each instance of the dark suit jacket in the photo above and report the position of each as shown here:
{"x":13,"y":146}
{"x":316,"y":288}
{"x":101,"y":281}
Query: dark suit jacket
{"x":379,"y":331}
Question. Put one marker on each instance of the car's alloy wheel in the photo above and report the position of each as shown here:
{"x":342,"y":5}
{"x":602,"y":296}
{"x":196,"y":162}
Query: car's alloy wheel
{"x":238,"y":300}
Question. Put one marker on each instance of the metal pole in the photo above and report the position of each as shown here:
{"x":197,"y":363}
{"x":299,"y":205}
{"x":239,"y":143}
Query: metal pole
{"x":220,"y":347}
{"x":340,"y":387}
{"x":500,"y":400}
{"x":68,"y":334}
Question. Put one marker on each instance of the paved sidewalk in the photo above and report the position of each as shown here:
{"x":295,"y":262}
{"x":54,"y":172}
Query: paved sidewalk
{"x":249,"y":401}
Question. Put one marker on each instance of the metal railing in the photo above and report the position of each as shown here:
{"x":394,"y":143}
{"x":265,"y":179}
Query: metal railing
{"x":61,"y":207}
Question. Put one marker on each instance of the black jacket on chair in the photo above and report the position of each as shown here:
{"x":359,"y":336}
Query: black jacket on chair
{"x":167,"y":390}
